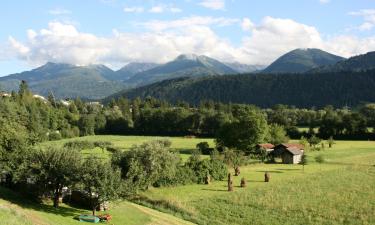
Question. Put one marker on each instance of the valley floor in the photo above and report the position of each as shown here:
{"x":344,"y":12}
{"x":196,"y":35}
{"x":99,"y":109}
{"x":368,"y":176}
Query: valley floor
{"x":339,"y":191}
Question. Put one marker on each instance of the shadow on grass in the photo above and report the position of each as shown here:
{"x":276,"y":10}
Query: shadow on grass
{"x":185,"y":151}
{"x":287,"y":169}
{"x":206,"y":189}
{"x":25,"y":202}
{"x":269,"y":171}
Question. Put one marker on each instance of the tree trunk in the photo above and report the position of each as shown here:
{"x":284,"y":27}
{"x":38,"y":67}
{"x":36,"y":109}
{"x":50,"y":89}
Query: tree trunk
{"x":93,"y":210}
{"x":56,"y":196}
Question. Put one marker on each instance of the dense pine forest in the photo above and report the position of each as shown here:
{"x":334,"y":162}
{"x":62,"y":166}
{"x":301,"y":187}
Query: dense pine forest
{"x":266,"y":90}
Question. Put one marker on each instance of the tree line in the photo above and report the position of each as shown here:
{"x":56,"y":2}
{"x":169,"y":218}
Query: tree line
{"x":29,"y":120}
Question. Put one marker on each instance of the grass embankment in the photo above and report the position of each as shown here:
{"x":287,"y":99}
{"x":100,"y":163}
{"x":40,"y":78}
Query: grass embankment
{"x":17,"y":210}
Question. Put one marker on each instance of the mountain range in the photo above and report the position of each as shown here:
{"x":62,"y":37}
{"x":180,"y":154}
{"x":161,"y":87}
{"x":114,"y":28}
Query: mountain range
{"x":346,"y":83}
{"x":99,"y":81}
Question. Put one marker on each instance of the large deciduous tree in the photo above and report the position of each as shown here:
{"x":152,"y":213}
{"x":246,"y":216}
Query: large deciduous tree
{"x":277,"y":134}
{"x":100,"y":180}
{"x":143,"y":165}
{"x":55,"y":168}
{"x":248,"y":129}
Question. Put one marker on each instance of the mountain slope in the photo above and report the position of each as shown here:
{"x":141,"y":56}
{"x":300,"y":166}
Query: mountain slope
{"x":183,"y":66}
{"x":66,"y":81}
{"x":133,"y":68}
{"x":356,"y":63}
{"x":302,"y":60}
{"x":266,"y":90}
{"x":245,"y":68}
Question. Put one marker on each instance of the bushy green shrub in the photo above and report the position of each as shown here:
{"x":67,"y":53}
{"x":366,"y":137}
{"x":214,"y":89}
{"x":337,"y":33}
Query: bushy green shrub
{"x":113,"y":149}
{"x":204,"y":148}
{"x":80,"y":145}
{"x":184,"y":175}
{"x":54,"y":136}
{"x":165,"y":142}
{"x":215,"y":168}
{"x":70,"y":132}
{"x":218,"y":170}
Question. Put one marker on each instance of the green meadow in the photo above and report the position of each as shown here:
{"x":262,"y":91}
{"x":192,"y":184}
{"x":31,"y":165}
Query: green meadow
{"x":338,"y":191}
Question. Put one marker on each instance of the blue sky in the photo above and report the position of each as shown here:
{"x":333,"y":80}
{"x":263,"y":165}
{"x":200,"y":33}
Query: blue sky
{"x":115,"y":32}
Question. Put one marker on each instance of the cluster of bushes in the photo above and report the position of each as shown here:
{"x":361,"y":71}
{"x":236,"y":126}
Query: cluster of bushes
{"x":195,"y":170}
{"x":154,"y":164}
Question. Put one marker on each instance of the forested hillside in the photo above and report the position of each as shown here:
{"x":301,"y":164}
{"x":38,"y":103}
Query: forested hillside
{"x":66,"y":81}
{"x":302,"y":60}
{"x":356,"y":63}
{"x":266,"y":90}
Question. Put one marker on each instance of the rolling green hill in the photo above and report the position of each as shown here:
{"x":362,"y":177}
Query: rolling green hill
{"x":302,"y":60}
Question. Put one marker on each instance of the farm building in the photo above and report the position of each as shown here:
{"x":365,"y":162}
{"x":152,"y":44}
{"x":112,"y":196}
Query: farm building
{"x":289,"y":153}
{"x":267,"y":146}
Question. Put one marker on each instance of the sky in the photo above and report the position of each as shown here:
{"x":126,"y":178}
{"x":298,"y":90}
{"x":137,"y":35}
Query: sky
{"x":116,"y":32}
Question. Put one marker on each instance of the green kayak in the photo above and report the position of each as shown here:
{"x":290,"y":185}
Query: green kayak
{"x":89,"y":218}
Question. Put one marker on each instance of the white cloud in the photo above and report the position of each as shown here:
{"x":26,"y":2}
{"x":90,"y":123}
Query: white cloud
{"x":324,"y":1}
{"x":213,"y":4}
{"x":368,"y":17}
{"x":154,"y":9}
{"x":160,"y":25}
{"x":247,"y":25}
{"x":175,"y":10}
{"x":59,"y":11}
{"x":164,"y":8}
{"x":157,"y":9}
{"x":134,"y":9}
{"x":165,"y":40}
{"x":274,"y":37}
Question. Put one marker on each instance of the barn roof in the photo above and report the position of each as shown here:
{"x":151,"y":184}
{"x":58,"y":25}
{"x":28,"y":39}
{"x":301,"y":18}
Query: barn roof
{"x":266,"y":145}
{"x":294,"y":151}
{"x":293,"y":145}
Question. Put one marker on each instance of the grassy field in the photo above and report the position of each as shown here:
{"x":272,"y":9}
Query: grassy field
{"x":180,"y":144}
{"x":339,"y":191}
{"x":126,"y":142}
{"x":15,"y":210}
